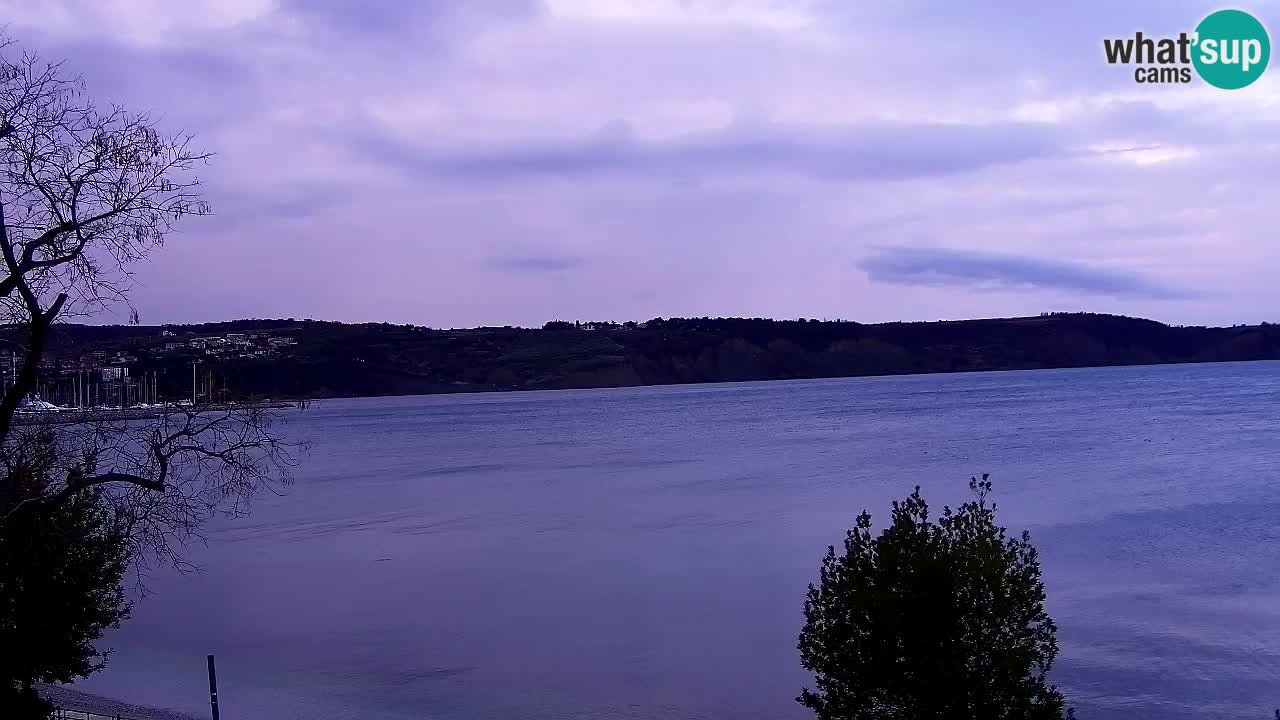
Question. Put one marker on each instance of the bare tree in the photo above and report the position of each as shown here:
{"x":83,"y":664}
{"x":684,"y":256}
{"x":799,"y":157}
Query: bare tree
{"x":86,"y":191}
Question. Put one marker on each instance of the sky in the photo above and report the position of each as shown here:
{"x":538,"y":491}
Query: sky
{"x":496,"y":162}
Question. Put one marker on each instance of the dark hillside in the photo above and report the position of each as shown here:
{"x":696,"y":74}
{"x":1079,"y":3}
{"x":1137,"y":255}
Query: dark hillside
{"x":310,"y":358}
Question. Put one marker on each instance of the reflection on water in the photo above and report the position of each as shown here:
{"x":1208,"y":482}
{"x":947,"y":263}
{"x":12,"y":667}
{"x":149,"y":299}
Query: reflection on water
{"x":643,"y":553}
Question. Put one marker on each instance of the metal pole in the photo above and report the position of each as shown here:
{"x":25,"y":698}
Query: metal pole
{"x":213,"y":689}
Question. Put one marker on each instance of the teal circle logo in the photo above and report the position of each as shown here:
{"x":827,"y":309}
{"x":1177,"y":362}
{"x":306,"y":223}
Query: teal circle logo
{"x":1232,"y":49}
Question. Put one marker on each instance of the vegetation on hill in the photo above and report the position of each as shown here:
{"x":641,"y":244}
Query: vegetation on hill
{"x":336,"y":359}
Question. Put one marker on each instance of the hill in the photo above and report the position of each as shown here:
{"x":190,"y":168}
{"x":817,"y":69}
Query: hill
{"x":327,"y":359}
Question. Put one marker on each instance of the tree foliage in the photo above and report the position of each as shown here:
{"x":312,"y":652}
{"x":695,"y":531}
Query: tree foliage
{"x":86,"y":190}
{"x":932,"y":619}
{"x":60,"y":577}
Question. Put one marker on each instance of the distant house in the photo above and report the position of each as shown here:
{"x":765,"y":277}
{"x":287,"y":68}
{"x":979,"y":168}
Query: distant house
{"x":109,"y":374}
{"x":167,"y":333}
{"x":173,"y":346}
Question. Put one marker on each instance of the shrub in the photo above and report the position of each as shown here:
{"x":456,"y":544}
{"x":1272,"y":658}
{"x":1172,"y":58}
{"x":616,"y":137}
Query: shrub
{"x":931,"y":620}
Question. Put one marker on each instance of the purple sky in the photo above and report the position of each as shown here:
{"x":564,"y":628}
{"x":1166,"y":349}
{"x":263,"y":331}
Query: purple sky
{"x":453,"y":163}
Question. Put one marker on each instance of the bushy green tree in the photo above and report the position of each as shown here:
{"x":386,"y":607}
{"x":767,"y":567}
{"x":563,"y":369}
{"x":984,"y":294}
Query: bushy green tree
{"x":931,"y":620}
{"x":61,"y":571}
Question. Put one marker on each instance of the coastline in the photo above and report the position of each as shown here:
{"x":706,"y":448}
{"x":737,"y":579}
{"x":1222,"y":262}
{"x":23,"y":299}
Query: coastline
{"x":79,"y":415}
{"x":335,"y":360}
{"x":66,"y":698}
{"x":482,"y":389}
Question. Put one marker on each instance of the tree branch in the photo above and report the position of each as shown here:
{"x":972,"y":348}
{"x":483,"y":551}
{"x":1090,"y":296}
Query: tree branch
{"x":79,"y":483}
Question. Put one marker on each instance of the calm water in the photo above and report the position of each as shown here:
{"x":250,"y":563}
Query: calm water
{"x":643,"y":553}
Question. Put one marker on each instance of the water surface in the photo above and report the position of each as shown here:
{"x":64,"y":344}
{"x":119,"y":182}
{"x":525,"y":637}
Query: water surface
{"x":643,"y":553}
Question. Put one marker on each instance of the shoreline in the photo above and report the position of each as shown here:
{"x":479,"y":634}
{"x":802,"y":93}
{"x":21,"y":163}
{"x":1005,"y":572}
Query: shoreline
{"x":480,"y":390}
{"x":78,"y":702}
{"x":73,"y":416}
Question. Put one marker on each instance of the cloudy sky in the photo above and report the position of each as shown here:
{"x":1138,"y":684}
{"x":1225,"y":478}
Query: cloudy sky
{"x":455,"y":163}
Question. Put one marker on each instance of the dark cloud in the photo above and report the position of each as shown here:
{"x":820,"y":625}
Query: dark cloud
{"x":941,"y":267}
{"x":360,"y":17}
{"x":215,"y":83}
{"x":241,"y":209}
{"x":397,"y":17}
{"x":885,"y":152}
{"x":533,"y":263}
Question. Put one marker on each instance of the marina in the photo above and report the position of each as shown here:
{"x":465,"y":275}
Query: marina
{"x":37,"y":412}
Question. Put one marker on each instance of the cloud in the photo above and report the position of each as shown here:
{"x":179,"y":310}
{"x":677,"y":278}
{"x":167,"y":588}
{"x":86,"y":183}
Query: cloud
{"x":879,"y":152}
{"x":144,"y":23}
{"x":702,"y":156}
{"x":941,"y":267}
{"x":533,"y":263}
{"x":379,"y":19}
{"x":769,"y":16}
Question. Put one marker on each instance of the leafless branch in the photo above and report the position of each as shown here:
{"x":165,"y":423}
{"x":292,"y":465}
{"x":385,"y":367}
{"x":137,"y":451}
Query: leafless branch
{"x":86,"y":190}
{"x":168,"y":476}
